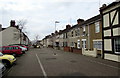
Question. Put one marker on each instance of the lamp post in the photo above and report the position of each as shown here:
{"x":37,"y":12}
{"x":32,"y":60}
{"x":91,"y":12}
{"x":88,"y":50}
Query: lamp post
{"x":55,"y":35}
{"x":55,"y":29}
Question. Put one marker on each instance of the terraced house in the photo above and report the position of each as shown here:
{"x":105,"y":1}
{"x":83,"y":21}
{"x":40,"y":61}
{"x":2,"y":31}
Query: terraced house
{"x":111,"y":30}
{"x":12,"y":35}
{"x":85,"y":35}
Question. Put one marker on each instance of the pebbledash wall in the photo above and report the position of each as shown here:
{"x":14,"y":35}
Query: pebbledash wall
{"x":111,"y":31}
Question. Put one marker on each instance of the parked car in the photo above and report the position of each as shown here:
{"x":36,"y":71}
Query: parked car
{"x":22,"y":45}
{"x":7,"y":60}
{"x":13,"y":50}
{"x":23,"y":48}
{"x":2,"y":69}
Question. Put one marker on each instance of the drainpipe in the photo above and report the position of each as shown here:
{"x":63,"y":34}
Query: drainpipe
{"x":88,"y":37}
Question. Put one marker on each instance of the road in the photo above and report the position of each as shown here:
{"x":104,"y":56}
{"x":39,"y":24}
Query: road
{"x":47,"y":62}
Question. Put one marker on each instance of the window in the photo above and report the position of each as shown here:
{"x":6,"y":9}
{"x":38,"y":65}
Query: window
{"x":78,"y":43}
{"x":72,"y":33}
{"x":97,"y":44}
{"x":76,"y":33}
{"x":97,"y":27}
{"x":84,"y":43}
{"x":72,"y":44}
{"x":117,"y":45}
{"x":83,"y":28}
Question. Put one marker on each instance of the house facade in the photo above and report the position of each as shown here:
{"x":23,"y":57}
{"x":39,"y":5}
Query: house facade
{"x":91,"y":34}
{"x":13,"y":35}
{"x":111,"y":31}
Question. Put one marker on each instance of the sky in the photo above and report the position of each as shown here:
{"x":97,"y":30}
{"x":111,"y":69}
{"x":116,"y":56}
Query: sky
{"x":41,"y":15}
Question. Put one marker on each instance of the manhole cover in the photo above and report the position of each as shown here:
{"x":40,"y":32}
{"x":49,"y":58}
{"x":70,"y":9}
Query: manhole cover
{"x":50,"y":58}
{"x":73,"y":61}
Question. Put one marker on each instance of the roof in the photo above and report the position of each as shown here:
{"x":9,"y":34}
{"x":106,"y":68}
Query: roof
{"x":110,"y":5}
{"x":91,"y":20}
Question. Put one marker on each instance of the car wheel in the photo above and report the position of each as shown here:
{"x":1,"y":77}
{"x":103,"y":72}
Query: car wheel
{"x":6,"y":63}
{"x":23,"y":52}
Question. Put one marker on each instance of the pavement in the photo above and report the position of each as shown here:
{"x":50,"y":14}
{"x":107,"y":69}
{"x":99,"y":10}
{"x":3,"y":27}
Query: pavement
{"x":46,"y":62}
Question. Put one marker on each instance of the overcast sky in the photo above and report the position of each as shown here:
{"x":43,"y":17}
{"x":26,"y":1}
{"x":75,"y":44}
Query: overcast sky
{"x":42,"y":14}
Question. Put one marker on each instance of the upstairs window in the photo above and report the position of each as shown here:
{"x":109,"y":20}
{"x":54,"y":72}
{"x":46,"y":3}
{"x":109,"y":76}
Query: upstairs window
{"x":97,"y":27}
{"x":83,"y":28}
{"x":72,"y":33}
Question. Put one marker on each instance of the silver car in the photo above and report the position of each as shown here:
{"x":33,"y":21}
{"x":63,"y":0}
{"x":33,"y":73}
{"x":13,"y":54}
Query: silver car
{"x":2,"y":69}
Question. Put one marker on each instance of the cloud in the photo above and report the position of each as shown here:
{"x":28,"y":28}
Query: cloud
{"x":42,"y":14}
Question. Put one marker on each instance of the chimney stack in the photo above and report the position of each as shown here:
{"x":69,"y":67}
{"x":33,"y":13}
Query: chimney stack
{"x":79,"y":21}
{"x":56,"y":32}
{"x":12,"y":23}
{"x":68,"y":26}
{"x":0,"y":27}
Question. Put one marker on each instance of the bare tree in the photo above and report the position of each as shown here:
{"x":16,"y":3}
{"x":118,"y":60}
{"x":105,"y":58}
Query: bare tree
{"x":37,"y":37}
{"x":22,"y":25}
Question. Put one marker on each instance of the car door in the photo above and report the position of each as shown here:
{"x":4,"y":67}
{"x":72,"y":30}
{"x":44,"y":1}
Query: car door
{"x":6,"y":50}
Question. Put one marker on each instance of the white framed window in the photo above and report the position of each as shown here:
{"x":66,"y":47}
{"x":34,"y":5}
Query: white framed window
{"x":84,"y":43}
{"x":78,"y":44}
{"x":117,"y":45}
{"x":83,"y":28}
{"x":97,"y":27}
{"x":97,"y":44}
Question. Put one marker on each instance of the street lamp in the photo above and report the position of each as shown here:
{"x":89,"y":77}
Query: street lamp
{"x":55,"y":34}
{"x":56,"y":23}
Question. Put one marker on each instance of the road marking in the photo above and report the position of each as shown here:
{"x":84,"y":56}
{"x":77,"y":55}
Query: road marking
{"x":43,"y":70}
{"x":104,"y":64}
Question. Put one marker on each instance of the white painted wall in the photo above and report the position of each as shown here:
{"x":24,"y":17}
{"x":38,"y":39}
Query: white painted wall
{"x":116,"y":31}
{"x":107,"y":33}
{"x":10,"y":36}
{"x":112,"y":57}
{"x":108,"y":44}
{"x":90,"y":53}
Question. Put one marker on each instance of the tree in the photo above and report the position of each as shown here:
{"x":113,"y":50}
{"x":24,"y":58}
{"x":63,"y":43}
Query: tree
{"x":22,"y":25}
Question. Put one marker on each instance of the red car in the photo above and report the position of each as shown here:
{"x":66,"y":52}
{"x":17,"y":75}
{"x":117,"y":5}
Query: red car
{"x":13,"y":50}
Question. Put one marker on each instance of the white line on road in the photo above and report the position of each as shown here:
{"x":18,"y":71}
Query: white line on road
{"x":43,"y":70}
{"x":104,"y":64}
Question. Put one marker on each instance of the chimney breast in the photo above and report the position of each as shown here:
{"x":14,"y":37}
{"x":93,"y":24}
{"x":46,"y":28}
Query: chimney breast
{"x":12,"y":23}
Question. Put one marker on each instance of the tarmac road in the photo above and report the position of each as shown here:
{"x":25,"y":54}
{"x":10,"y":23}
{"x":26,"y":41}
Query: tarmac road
{"x":48,"y":62}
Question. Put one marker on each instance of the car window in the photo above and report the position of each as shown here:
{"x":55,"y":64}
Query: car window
{"x":10,"y":48}
{"x":1,"y":54}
